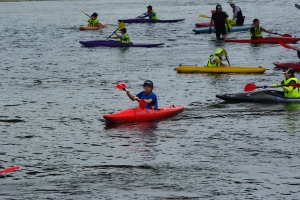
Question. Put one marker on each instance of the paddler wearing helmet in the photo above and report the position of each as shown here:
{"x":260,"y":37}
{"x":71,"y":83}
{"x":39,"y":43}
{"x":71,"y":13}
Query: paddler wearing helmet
{"x":124,"y":37}
{"x":215,"y":60}
{"x":150,"y":13}
{"x":147,"y":94}
{"x":289,"y":78}
{"x":94,"y":21}
{"x":219,"y":18}
{"x":256,"y":30}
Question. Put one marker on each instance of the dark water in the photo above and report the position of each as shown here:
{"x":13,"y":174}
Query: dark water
{"x":54,"y":93}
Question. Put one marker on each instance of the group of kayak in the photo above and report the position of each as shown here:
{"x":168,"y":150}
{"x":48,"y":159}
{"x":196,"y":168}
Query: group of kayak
{"x":148,"y":103}
{"x":123,"y":37}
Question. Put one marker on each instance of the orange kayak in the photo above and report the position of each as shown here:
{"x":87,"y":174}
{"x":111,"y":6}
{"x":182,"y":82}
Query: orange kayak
{"x":83,"y":28}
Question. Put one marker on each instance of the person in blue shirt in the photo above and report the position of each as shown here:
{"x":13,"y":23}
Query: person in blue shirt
{"x":150,"y":13}
{"x":149,"y":97}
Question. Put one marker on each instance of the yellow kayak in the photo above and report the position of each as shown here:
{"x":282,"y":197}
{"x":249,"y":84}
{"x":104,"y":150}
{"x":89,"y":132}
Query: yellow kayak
{"x":225,"y":69}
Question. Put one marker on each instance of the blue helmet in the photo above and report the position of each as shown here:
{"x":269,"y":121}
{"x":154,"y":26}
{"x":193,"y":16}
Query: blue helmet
{"x":123,"y":30}
{"x":149,"y":83}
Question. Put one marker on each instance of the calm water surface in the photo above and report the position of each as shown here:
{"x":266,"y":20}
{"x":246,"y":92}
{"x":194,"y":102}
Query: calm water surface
{"x":54,"y":93}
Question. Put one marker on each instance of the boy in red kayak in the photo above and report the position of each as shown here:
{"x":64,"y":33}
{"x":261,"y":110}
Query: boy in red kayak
{"x":256,"y":30}
{"x":149,"y":97}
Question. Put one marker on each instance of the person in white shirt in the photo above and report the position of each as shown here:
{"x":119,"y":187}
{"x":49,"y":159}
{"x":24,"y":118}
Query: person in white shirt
{"x":237,"y":14}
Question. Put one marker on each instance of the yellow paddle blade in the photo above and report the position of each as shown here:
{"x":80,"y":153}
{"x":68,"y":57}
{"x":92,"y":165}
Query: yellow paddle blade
{"x":203,"y":16}
{"x":233,"y":22}
{"x":225,"y":52}
{"x":121,"y":25}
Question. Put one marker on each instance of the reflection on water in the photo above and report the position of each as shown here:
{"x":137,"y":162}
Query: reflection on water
{"x":137,"y":140}
{"x":293,"y":107}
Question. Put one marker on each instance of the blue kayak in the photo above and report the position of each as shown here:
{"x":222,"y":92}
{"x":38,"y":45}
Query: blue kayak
{"x":213,"y":30}
{"x":297,"y":6}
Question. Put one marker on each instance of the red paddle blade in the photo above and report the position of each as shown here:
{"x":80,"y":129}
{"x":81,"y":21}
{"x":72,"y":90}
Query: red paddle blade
{"x":7,"y":170}
{"x":142,"y":104}
{"x":294,"y":85}
{"x":121,"y":86}
{"x":285,"y":45}
{"x":250,"y":87}
{"x":287,"y":35}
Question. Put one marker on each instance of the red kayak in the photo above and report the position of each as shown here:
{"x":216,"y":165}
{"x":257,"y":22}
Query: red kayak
{"x":286,"y":65}
{"x":203,"y":24}
{"x":268,"y":40}
{"x":138,"y":115}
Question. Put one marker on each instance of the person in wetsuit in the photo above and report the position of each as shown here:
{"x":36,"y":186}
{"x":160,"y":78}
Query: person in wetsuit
{"x":219,"y":18}
{"x":237,"y":14}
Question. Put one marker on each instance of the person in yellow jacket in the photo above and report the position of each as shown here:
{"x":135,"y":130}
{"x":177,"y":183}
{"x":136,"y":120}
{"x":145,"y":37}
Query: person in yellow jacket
{"x":256,"y":30}
{"x":289,"y":78}
{"x":215,"y":59}
{"x":228,"y":20}
{"x":124,"y":37}
{"x":94,"y":21}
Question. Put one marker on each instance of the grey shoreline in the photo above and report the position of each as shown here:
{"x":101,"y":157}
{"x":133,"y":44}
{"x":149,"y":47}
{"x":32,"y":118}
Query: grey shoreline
{"x":31,"y":0}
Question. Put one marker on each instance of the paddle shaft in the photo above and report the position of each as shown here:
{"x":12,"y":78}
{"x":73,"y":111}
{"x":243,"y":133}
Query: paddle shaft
{"x":120,"y":26}
{"x":227,"y":60}
{"x":112,"y":33}
{"x":131,"y":96}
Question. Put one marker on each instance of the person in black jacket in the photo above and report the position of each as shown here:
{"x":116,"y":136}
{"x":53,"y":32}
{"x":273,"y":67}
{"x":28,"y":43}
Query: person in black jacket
{"x":219,"y":18}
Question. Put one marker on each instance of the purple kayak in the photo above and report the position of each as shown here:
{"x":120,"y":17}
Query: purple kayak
{"x":114,"y":43}
{"x":139,"y":20}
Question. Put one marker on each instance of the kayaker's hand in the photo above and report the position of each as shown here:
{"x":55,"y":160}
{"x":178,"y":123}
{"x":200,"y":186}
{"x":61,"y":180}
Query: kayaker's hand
{"x":265,"y":86}
{"x":209,"y":31}
{"x":228,"y":29}
{"x":127,"y":91}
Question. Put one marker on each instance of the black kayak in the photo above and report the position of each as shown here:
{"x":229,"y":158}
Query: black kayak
{"x":264,"y":96}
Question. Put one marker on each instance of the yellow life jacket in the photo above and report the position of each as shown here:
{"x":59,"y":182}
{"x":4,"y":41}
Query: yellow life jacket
{"x":154,"y":16}
{"x":229,"y":22}
{"x":125,"y":40}
{"x":259,"y":34}
{"x":93,"y":22}
{"x":295,"y":92}
{"x":211,"y":58}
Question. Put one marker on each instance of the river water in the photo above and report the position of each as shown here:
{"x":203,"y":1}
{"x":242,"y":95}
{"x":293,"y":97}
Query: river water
{"x":54,"y":93}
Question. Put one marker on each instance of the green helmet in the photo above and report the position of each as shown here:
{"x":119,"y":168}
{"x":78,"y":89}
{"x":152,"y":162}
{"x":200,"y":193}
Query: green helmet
{"x":218,"y":50}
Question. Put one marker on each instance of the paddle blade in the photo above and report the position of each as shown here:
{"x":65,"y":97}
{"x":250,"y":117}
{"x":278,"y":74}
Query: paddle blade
{"x":250,"y":87}
{"x":233,"y":22}
{"x":7,"y":170}
{"x":121,"y":25}
{"x":202,"y":16}
{"x":142,"y":104}
{"x":285,"y":45}
{"x":121,"y":86}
